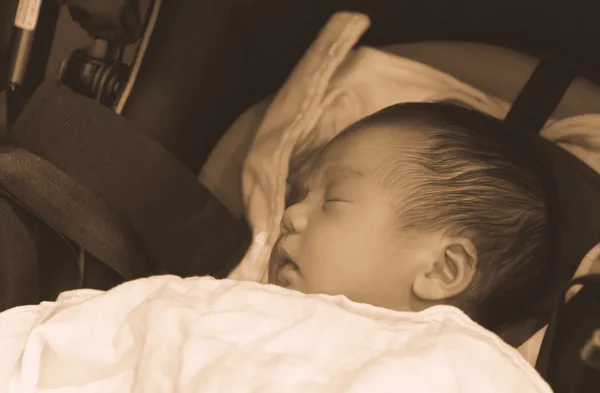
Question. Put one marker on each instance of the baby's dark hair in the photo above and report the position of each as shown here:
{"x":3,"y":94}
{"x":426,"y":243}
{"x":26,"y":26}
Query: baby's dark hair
{"x":472,"y":177}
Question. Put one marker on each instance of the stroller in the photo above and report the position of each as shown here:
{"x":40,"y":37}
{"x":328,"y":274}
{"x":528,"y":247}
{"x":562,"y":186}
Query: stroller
{"x":140,"y":211}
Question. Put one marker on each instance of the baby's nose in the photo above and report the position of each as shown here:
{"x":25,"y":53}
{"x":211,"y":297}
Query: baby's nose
{"x":294,"y":219}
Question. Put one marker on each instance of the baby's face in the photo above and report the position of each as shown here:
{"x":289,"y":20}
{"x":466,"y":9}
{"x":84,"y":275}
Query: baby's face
{"x":340,"y":237}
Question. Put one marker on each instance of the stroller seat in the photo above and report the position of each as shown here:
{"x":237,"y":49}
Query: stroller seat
{"x":188,"y":91}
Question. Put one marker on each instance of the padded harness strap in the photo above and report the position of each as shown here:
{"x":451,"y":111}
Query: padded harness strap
{"x":529,"y":113}
{"x":182,"y":227}
{"x":94,"y":180}
{"x":571,"y":324}
{"x":540,"y":97}
{"x":71,"y":210}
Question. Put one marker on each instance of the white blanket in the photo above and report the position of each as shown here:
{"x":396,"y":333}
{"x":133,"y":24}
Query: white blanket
{"x":167,"y":334}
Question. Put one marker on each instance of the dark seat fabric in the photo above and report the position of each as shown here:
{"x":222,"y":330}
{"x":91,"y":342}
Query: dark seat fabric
{"x":209,"y":60}
{"x":193,"y":81}
{"x":73,"y":173}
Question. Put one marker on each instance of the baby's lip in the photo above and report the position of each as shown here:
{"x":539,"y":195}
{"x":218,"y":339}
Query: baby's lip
{"x":283,"y":266}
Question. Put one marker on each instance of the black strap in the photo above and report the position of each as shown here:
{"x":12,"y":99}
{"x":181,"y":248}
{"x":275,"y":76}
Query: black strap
{"x":72,"y":211}
{"x":563,"y":181}
{"x":540,"y":96}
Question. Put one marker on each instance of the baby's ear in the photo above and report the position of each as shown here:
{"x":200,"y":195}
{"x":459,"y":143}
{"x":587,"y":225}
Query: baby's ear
{"x":451,"y":273}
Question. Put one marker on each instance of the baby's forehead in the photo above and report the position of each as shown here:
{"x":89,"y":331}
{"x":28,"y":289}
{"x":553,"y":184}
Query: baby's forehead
{"x":355,"y":153}
{"x":363,"y":147}
{"x":382,"y":132}
{"x":370,"y":141}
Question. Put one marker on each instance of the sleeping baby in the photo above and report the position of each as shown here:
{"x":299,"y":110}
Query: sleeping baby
{"x":417,"y":205}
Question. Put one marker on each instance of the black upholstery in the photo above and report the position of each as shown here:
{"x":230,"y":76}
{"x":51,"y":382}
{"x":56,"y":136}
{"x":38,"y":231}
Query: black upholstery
{"x":76,"y":167}
{"x":209,"y":60}
{"x":193,"y":82}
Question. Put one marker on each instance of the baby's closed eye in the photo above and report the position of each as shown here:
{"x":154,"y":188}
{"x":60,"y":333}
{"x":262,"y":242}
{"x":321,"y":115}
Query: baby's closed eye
{"x":335,"y":199}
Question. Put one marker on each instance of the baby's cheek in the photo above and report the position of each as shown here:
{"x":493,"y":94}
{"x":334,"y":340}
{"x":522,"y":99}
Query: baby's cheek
{"x":327,"y":243}
{"x":326,"y":259}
